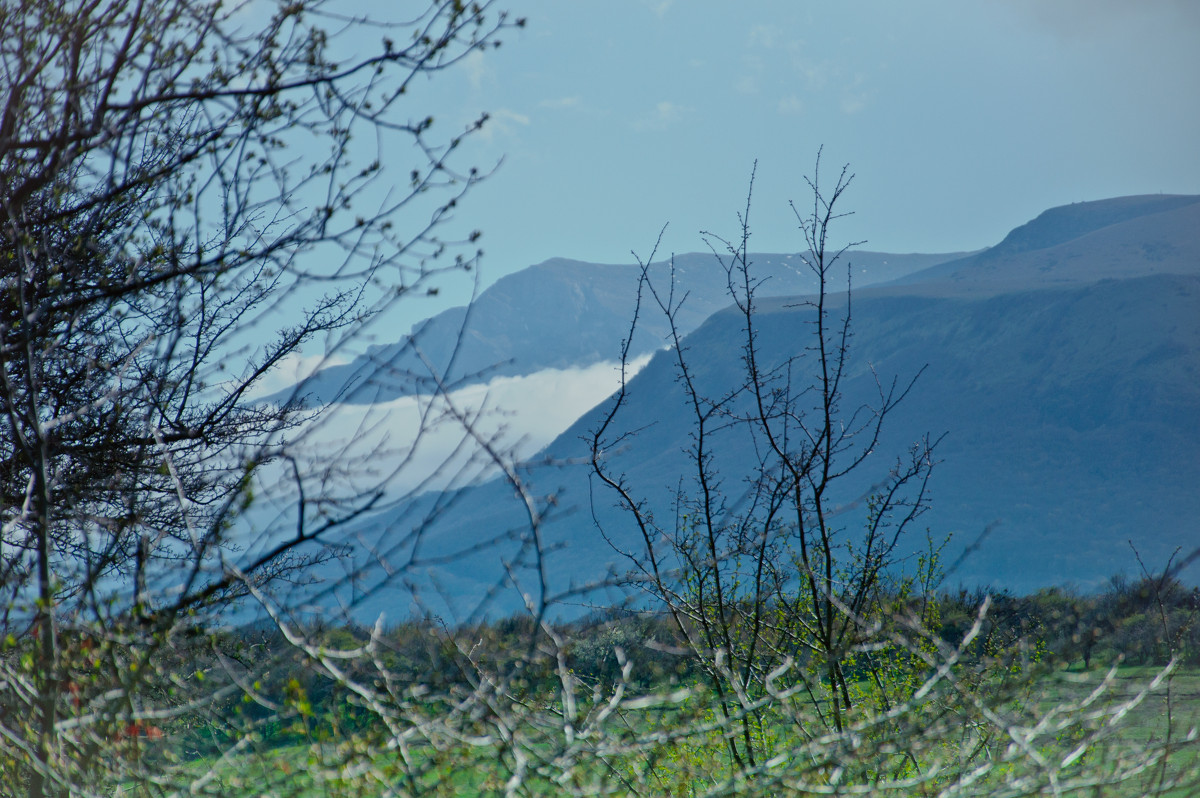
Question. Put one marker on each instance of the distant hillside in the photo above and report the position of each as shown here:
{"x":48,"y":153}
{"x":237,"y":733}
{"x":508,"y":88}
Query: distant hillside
{"x":1077,"y":244}
{"x":1072,"y":419}
{"x":1063,"y":365}
{"x":560,"y":314}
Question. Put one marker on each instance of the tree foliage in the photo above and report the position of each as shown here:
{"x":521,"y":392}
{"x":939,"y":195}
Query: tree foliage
{"x":177,"y":180}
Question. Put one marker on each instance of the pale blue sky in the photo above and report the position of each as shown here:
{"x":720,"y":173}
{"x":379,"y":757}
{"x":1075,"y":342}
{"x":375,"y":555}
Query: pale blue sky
{"x":961,"y":119}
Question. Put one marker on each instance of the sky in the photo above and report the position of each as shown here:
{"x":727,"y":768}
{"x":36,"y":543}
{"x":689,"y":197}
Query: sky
{"x":960,"y":120}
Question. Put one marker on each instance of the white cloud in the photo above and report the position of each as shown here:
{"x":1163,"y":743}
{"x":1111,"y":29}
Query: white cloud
{"x":816,"y":76}
{"x":508,"y":115}
{"x":853,"y":103}
{"x":476,"y":68}
{"x":790,"y":105}
{"x":665,"y":114}
{"x":560,"y":102}
{"x":502,"y":121}
{"x":747,"y":84}
{"x":290,"y":370}
{"x":660,"y":7}
{"x":419,"y":442}
{"x":764,"y":36}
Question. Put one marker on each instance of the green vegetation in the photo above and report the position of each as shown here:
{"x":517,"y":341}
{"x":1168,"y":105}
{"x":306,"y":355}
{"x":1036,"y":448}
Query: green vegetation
{"x":646,"y":720}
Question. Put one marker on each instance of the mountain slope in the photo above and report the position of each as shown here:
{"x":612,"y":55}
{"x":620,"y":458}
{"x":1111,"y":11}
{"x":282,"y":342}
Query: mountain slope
{"x":559,"y":314}
{"x":1070,"y":399}
{"x":1076,"y":244}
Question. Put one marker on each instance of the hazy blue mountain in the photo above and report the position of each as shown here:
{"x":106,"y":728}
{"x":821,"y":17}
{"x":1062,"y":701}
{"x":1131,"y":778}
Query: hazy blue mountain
{"x":1063,"y":365}
{"x":559,"y":314}
{"x":1076,"y":244}
{"x":1072,"y":417}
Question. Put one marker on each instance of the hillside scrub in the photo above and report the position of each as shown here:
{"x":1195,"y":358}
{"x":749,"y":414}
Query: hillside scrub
{"x":616,"y":703}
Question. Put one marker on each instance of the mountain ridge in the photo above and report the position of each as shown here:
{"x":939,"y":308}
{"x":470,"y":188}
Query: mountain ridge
{"x":1072,"y":408}
{"x":1066,"y":245}
{"x":514,"y":327}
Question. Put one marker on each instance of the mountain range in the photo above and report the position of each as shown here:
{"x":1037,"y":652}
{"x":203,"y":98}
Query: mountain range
{"x":1059,"y":368}
{"x":561,"y":314}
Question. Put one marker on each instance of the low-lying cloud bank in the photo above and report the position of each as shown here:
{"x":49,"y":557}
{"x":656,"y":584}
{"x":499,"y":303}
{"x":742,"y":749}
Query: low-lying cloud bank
{"x":438,"y":442}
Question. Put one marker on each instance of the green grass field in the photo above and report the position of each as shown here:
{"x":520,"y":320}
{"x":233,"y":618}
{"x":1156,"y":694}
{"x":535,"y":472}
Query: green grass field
{"x":357,"y":765}
{"x":1166,"y":715}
